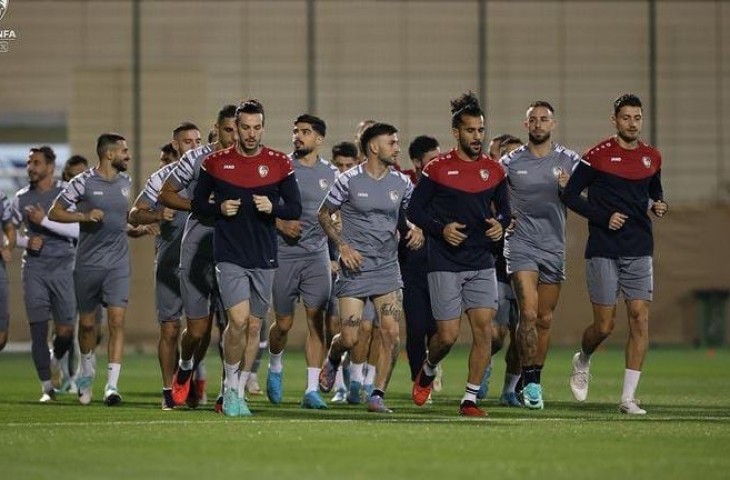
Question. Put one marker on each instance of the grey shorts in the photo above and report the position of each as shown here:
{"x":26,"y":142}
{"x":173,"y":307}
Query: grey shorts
{"x":507,"y":312}
{"x":632,"y":276}
{"x":168,"y":296}
{"x":453,"y":292}
{"x":370,"y":283}
{"x":107,"y":287}
{"x":4,"y":299}
{"x":308,"y":278}
{"x":50,"y":294}
{"x":333,"y":305}
{"x":238,"y":284}
{"x":198,"y":285}
{"x":550,"y":266}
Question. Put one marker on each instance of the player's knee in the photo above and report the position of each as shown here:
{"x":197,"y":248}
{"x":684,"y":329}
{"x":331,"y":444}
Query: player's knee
{"x":639,"y":322}
{"x":284,"y":323}
{"x":605,"y":327}
{"x":348,"y":339}
{"x":528,"y":316}
{"x":544,"y":321}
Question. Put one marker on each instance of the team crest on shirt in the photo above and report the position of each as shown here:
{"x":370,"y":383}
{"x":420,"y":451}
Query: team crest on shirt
{"x":393,"y":196}
{"x":646,"y":161}
{"x":263,"y":171}
{"x":484,"y":173}
{"x":324,"y":184}
{"x":125,"y":192}
{"x":557,"y":171}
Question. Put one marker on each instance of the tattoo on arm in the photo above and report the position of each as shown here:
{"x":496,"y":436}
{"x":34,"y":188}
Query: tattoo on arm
{"x":328,"y":225}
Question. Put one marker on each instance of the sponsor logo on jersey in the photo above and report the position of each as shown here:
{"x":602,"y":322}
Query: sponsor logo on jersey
{"x":263,"y":170}
{"x":484,"y":173}
{"x":324,"y":184}
{"x":362,"y":194}
{"x":393,"y":196}
{"x":97,"y":192}
{"x":452,"y":172}
{"x":228,"y":166}
{"x":646,"y":161}
{"x":521,"y":172}
{"x":615,"y":159}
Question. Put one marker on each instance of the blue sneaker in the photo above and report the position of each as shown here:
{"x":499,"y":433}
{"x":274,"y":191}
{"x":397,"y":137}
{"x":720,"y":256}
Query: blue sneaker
{"x":353,"y":395}
{"x":313,"y":401}
{"x":273,"y":387}
{"x":243,"y":410}
{"x":377,"y":405}
{"x":532,"y":396}
{"x":509,"y":399}
{"x":484,"y":386}
{"x":368,"y":389}
{"x":231,"y":405}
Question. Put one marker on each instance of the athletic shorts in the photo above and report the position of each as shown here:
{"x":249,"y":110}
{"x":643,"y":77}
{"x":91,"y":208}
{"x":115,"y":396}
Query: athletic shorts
{"x":198,"y":285}
{"x":168,"y":295}
{"x":50,"y":294}
{"x":507,"y":312}
{"x":454,"y":292}
{"x":550,"y":266}
{"x":632,"y":276}
{"x":308,"y":278}
{"x":371,"y":283}
{"x":238,"y":284}
{"x":107,"y":287}
{"x":4,"y":299}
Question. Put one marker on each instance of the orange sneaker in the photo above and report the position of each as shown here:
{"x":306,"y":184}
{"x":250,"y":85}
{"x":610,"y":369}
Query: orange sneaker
{"x":420,"y":394}
{"x":200,"y":386}
{"x":470,"y":409}
{"x":180,"y":391}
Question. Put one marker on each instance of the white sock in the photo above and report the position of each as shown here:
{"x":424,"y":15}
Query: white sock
{"x":356,"y":373}
{"x":112,"y":372}
{"x":631,"y":381}
{"x":430,"y":372}
{"x":370,"y":375}
{"x":312,"y":379}
{"x":242,"y":380}
{"x":275,"y":364}
{"x":470,"y":393}
{"x":510,"y":383}
{"x":200,"y":372}
{"x":186,"y":364}
{"x":339,"y":380}
{"x":584,"y":359}
{"x":231,"y":374}
{"x":88,"y":364}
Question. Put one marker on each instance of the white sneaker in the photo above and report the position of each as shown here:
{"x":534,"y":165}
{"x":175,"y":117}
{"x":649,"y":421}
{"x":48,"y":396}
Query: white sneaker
{"x":48,"y":397}
{"x":84,"y":385}
{"x":438,"y":384}
{"x":111,"y":396}
{"x":580,"y":378}
{"x":631,"y":407}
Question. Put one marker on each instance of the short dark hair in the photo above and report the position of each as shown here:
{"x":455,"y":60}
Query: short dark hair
{"x":465,"y":104}
{"x":626,"y":100}
{"x":168,"y":149}
{"x":213,"y":134}
{"x":48,"y":154}
{"x":184,"y":127}
{"x":422,"y":145}
{"x":317,"y":123}
{"x":72,"y":162}
{"x":106,"y":141}
{"x":375,"y":130}
{"x":250,"y":106}
{"x":228,"y":111}
{"x":510,"y":140}
{"x":542,"y":103}
{"x":344,"y":149}
{"x":500,"y":139}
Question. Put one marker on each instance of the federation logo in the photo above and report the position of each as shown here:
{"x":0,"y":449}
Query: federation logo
{"x":125,"y":192}
{"x":3,"y":7}
{"x":646,"y":161}
{"x":263,"y":171}
{"x":484,"y":173}
{"x":393,"y":196}
{"x":324,"y":184}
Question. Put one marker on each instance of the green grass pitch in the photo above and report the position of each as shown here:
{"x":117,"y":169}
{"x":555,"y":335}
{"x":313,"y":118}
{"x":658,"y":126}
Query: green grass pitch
{"x":686,"y":433}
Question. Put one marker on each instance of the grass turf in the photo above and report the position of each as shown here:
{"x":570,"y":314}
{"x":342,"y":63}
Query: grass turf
{"x":685,"y":434}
